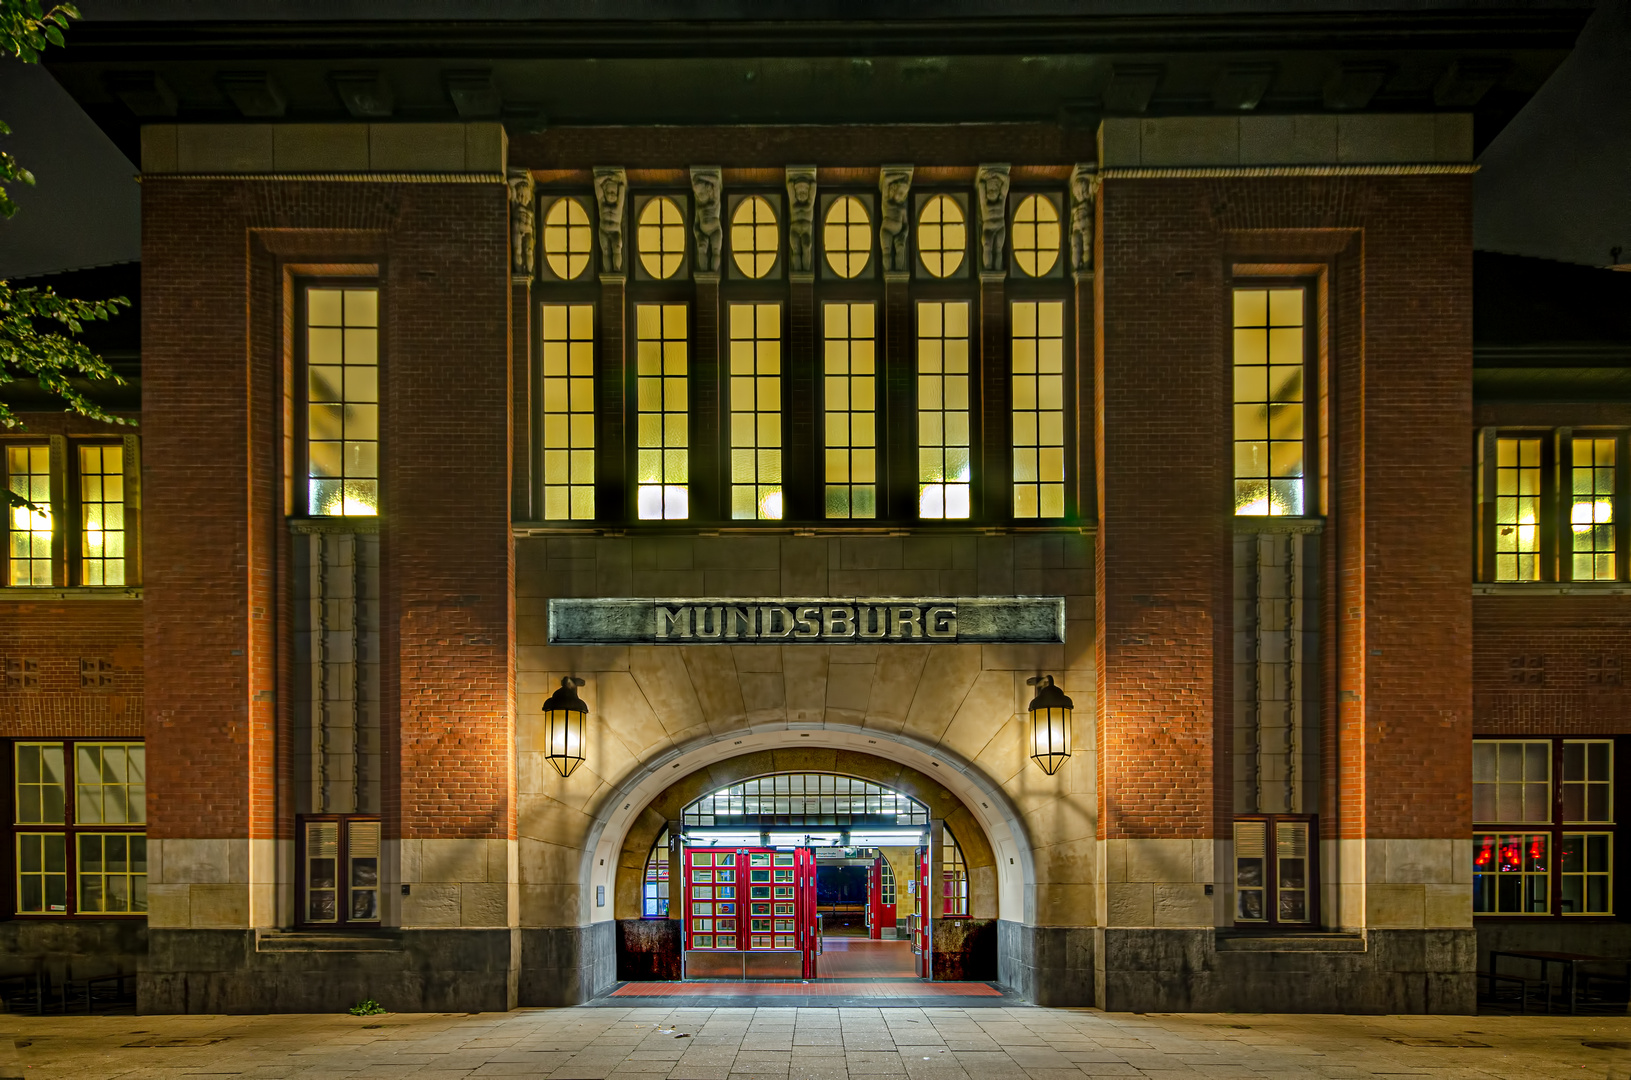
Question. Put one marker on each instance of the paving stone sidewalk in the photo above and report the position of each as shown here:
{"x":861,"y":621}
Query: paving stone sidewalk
{"x":816,"y":1044}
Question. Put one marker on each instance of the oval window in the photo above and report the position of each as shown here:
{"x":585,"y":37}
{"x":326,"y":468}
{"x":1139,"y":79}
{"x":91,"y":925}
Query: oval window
{"x":661,"y":237}
{"x":753,"y":236}
{"x":846,"y":236}
{"x":1036,"y":236}
{"x":567,"y":239}
{"x":942,"y":236}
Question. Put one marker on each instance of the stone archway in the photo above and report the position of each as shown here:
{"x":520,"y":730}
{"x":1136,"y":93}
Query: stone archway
{"x":626,"y":819}
{"x":942,"y":804}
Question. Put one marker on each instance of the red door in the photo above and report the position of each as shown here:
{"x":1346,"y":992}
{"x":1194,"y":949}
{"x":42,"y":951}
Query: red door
{"x":874,"y":900}
{"x":809,"y":940}
{"x":924,"y":937}
{"x":886,"y":896}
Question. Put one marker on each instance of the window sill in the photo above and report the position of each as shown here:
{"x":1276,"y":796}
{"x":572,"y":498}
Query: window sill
{"x":523,"y":529}
{"x":1244,"y":525}
{"x":73,"y":592}
{"x":1289,"y":941}
{"x":360,"y":524}
{"x":1551,"y":588}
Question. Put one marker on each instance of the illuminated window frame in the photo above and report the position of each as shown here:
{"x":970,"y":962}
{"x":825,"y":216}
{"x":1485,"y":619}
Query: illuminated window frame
{"x":755,"y":237}
{"x":755,"y":358}
{"x":953,"y":879}
{"x":945,"y":449}
{"x":30,"y":560}
{"x":70,"y":835}
{"x":849,"y":332}
{"x":1036,"y":234}
{"x":1038,"y":398}
{"x":1594,"y":481}
{"x":942,"y":235}
{"x":341,"y":351}
{"x":846,"y":236}
{"x":660,"y":237}
{"x":1271,"y":332}
{"x":568,"y":336}
{"x":662,"y":412}
{"x":654,"y":888}
{"x":1519,"y":518}
{"x":567,"y":238}
{"x":102,"y":514}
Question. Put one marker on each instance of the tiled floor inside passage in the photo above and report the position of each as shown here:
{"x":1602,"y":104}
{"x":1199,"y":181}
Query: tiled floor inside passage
{"x":664,"y":1043}
{"x":859,"y":958}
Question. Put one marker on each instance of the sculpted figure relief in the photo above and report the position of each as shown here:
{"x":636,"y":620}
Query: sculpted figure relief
{"x":895,"y":184}
{"x":801,"y":194}
{"x":991,"y":189}
{"x":705,"y":225}
{"x":1081,"y":218}
{"x":611,"y":190}
{"x":523,"y":236}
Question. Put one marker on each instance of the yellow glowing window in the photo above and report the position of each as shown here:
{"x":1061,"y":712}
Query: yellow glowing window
{"x":1038,"y":349}
{"x":567,"y":238}
{"x":942,"y":236}
{"x":846,"y":236}
{"x":756,"y":411}
{"x":662,"y":389}
{"x":1268,"y":399}
{"x":342,"y":378}
{"x":1036,"y":236}
{"x":112,"y":872}
{"x":851,"y":409}
{"x":753,"y":236}
{"x":1586,"y":865}
{"x":1591,"y":512}
{"x":661,"y":237}
{"x":1517,"y":509}
{"x":569,"y":412}
{"x":102,"y":515}
{"x":28,"y":471}
{"x":944,"y":471}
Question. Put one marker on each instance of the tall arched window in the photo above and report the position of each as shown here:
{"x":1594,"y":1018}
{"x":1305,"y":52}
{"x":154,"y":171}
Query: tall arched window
{"x":654,"y":888}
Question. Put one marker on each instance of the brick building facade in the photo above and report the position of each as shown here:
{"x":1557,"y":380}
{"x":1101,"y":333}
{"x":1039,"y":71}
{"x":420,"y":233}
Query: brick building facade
{"x":1195,"y":359}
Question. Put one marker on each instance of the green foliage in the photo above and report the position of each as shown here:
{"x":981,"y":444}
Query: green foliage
{"x":26,"y":28}
{"x":33,"y":341}
{"x":369,"y":1007}
{"x":35,"y":325}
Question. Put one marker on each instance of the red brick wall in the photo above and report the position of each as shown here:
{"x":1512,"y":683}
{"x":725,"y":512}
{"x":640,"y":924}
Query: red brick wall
{"x":214,"y":262}
{"x":57,"y":635}
{"x":1402,"y":477}
{"x":1552,"y":665}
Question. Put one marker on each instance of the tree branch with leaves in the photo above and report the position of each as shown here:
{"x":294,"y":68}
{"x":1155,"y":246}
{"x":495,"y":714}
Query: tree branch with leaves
{"x":37,"y":325}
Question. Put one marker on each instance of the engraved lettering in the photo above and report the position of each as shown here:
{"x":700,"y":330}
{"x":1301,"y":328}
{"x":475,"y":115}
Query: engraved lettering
{"x":904,"y":618}
{"x":775,"y":621}
{"x":677,"y":618}
{"x":839,"y":621}
{"x":739,"y":618}
{"x":704,"y":615}
{"x":809,"y":622}
{"x":877,"y":616}
{"x":940,"y":622}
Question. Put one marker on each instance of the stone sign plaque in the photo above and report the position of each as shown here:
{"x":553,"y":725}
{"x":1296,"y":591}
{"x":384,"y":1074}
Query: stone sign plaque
{"x":879,"y":620}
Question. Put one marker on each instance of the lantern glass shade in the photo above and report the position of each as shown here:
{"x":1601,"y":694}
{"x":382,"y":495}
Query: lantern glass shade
{"x":563,"y":735}
{"x":1050,"y":725}
{"x":563,"y":726}
{"x":1050,"y":738}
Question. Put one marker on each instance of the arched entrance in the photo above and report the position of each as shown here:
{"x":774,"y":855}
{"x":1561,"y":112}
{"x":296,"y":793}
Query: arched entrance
{"x":957,"y":799}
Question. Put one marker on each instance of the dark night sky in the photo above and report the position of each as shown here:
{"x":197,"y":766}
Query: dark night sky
{"x":1556,"y":183}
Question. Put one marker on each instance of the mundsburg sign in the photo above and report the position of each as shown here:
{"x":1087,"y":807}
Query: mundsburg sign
{"x":906,"y":620}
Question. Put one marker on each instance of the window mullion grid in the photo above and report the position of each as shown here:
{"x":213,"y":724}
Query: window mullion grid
{"x":1622,"y":507}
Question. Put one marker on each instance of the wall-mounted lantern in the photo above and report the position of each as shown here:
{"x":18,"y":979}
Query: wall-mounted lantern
{"x":1050,"y":724}
{"x":563,"y":726}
